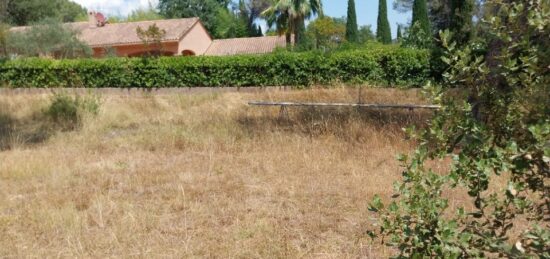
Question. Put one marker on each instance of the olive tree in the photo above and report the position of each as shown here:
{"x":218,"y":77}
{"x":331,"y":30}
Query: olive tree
{"x":48,"y":38}
{"x":152,"y":39}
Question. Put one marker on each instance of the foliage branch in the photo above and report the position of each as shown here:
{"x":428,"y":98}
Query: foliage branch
{"x":493,"y":135}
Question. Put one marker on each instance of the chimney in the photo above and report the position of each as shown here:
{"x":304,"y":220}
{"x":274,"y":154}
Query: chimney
{"x":92,"y":20}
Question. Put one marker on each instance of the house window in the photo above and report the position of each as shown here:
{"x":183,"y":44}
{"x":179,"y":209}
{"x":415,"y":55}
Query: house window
{"x":187,"y":53}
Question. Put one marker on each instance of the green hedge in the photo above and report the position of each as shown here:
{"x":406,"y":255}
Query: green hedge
{"x":387,"y":65}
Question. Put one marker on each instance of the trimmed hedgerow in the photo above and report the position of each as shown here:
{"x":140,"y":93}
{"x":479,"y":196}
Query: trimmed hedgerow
{"x":389,"y":66}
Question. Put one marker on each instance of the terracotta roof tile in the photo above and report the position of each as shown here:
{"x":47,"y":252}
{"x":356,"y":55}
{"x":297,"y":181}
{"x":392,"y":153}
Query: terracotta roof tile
{"x":258,"y":45}
{"x":125,"y":33}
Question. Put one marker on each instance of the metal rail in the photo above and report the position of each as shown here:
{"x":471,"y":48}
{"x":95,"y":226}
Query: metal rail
{"x":374,"y":106}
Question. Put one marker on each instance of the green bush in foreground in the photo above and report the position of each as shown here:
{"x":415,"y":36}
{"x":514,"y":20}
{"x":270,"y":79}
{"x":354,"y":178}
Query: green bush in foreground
{"x":494,"y":144}
{"x":67,"y":111}
{"x":384,"y":65}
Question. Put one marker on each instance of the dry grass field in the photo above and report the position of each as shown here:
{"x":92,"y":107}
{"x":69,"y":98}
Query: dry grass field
{"x":199,"y":176}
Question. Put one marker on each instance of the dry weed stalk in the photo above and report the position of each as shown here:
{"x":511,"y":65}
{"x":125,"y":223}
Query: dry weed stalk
{"x":200,"y":176}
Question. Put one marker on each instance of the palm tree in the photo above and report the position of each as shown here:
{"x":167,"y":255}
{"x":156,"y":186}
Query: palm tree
{"x":289,"y":16}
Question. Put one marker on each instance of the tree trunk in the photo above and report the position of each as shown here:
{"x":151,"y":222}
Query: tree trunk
{"x":288,"y":39}
{"x":299,"y":31}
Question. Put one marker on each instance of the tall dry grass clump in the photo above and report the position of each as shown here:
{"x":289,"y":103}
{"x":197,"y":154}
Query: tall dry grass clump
{"x":199,"y":176}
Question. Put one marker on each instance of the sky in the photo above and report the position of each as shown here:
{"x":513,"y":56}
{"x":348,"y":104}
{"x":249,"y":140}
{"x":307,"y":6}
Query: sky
{"x":367,"y":10}
{"x":115,"y":7}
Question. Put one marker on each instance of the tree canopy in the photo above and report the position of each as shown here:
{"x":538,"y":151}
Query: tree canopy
{"x":440,"y":11}
{"x":31,"y":11}
{"x":492,"y":136}
{"x":383,"y":30}
{"x":366,"y":34}
{"x":152,"y":39}
{"x":48,"y":38}
{"x":461,"y":23}
{"x":4,"y":11}
{"x":4,"y":32}
{"x":351,"y":23}
{"x":144,"y":14}
{"x":399,"y":33}
{"x":289,"y":16}
{"x":420,"y":16}
{"x":206,"y":10}
{"x":420,"y":34}
{"x":326,"y":32}
{"x":222,"y":18}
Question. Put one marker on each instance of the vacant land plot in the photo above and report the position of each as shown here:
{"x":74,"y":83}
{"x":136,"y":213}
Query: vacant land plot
{"x":199,"y":176}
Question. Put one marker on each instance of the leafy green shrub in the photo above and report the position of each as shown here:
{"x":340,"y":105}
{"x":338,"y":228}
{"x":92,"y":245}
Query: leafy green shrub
{"x":386,"y":65}
{"x":67,"y":111}
{"x":499,"y":134}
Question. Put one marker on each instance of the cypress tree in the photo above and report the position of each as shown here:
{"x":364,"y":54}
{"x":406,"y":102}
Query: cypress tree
{"x":461,"y":20}
{"x":351,"y":25}
{"x":399,"y":34}
{"x":420,"y":15}
{"x":245,"y":19}
{"x":383,"y":31}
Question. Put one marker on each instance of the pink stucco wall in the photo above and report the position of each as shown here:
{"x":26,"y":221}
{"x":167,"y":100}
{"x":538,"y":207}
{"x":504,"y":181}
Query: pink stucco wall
{"x":132,"y":50}
{"x":196,"y":40}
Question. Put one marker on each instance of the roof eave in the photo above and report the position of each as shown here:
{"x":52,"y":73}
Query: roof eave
{"x":135,"y":43}
{"x":198,"y":21}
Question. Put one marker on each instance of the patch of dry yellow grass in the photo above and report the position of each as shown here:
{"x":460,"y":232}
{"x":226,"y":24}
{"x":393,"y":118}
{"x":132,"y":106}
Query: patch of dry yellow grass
{"x":199,"y":176}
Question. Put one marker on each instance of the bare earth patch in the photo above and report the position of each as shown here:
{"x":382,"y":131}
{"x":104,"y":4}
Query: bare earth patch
{"x":199,"y":176}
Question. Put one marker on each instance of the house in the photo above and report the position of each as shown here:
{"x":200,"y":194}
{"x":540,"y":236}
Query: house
{"x":184,"y":37}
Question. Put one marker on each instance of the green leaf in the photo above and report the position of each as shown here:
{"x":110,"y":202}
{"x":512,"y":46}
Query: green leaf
{"x":376,"y":204}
